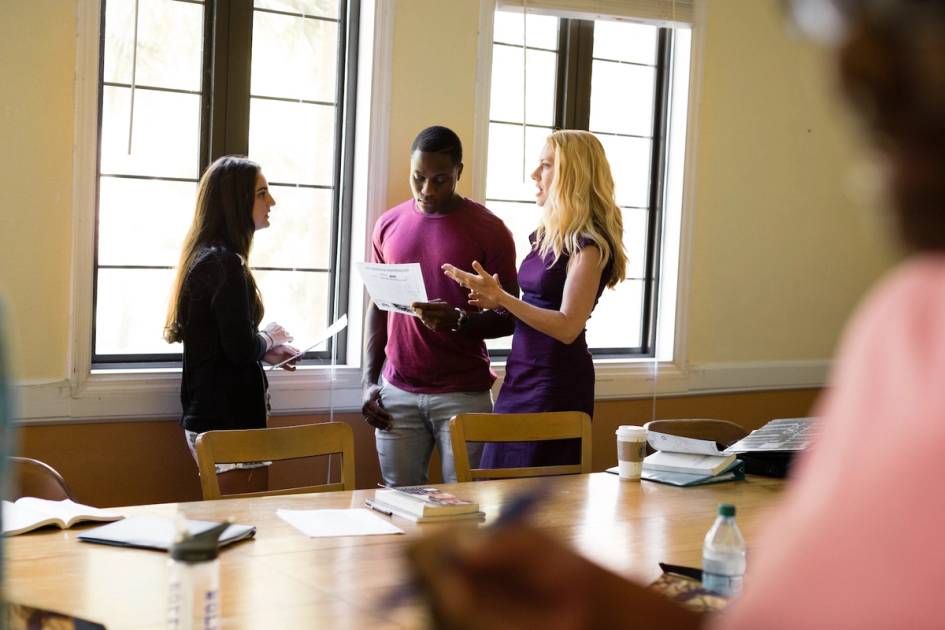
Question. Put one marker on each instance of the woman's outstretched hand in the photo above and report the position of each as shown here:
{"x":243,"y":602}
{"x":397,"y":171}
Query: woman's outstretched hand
{"x":484,"y":290}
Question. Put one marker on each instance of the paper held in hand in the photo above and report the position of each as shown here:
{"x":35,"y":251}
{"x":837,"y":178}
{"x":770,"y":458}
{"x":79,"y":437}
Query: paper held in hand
{"x":340,"y":324}
{"x":394,"y":287}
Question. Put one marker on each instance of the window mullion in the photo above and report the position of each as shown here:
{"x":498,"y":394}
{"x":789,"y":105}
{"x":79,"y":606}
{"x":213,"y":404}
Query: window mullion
{"x":561,"y":80}
{"x":207,"y":81}
{"x":568,"y":91}
{"x":583,"y":60}
{"x":573,"y":93}
{"x":346,"y":97}
{"x":229,"y":73}
{"x":657,"y":188}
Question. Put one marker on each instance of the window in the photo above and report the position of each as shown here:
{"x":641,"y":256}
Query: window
{"x":184,"y":82}
{"x":615,"y":79}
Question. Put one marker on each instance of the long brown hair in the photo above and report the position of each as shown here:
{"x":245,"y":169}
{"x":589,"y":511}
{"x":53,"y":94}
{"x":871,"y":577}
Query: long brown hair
{"x":223,"y":216}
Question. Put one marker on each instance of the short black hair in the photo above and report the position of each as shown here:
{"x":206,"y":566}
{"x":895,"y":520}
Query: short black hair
{"x":439,"y":139}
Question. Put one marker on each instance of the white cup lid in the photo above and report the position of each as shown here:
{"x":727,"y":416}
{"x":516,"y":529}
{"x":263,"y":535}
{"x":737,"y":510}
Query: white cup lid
{"x":630,"y":432}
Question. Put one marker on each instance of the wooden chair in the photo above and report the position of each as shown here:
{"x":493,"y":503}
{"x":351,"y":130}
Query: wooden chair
{"x":34,"y":478}
{"x":280,"y":443}
{"x":721,"y":431}
{"x":518,"y":427}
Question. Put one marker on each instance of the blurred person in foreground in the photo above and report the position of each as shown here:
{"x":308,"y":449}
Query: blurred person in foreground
{"x":856,"y":542}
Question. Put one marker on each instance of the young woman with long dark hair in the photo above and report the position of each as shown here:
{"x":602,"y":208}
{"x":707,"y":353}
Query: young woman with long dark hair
{"x":215,"y":310}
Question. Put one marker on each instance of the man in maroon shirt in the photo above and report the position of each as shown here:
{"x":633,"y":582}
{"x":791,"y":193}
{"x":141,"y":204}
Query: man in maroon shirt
{"x":436,"y":363}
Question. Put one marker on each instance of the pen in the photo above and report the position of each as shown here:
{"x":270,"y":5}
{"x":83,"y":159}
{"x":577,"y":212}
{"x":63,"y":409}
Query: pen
{"x":374,"y":507}
{"x":519,"y":508}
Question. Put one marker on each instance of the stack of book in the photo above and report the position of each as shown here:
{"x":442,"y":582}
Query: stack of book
{"x":424,"y":504}
{"x":681,"y":461}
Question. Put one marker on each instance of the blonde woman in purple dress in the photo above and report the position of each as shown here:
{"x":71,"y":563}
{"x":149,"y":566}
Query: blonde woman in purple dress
{"x":576,"y":251}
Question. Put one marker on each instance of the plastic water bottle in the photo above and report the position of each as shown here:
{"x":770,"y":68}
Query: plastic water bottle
{"x":723,"y":555}
{"x":193,"y":594}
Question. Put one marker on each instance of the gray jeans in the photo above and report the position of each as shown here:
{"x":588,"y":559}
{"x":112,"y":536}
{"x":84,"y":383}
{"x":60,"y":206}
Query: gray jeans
{"x":421,"y":421}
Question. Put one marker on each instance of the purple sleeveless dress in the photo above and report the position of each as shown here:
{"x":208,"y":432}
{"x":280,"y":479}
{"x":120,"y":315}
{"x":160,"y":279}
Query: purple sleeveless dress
{"x":541,"y":373}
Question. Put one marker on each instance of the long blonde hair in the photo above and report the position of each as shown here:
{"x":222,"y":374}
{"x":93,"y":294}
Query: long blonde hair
{"x":581,"y":203}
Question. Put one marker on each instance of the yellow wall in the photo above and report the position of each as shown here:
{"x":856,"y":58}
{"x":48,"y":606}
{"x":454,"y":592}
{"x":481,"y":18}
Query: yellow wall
{"x":780,"y":253}
{"x":37,"y":46}
{"x":433,"y":81}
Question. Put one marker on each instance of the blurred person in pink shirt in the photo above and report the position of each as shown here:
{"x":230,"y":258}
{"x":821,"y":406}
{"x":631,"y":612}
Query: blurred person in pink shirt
{"x":857,"y":541}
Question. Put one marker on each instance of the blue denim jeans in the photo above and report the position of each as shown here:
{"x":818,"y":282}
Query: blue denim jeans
{"x":421,"y":421}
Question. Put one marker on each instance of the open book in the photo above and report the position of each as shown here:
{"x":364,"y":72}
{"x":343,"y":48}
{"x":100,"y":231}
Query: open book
{"x":29,"y":513}
{"x":685,"y":461}
{"x":423,"y":502}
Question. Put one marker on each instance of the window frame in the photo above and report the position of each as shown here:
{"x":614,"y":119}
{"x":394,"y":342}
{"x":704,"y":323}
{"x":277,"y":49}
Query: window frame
{"x":572,"y":111}
{"x":224,"y":130}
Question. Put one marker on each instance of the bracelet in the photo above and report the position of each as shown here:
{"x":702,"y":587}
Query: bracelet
{"x":463,"y":316}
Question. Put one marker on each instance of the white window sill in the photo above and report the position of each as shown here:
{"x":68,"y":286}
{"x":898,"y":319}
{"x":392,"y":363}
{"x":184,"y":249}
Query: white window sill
{"x":117,"y":396}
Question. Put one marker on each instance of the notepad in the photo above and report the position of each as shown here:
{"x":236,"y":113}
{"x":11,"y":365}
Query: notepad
{"x":158,"y":532}
{"x":29,"y":513}
{"x":327,"y":523}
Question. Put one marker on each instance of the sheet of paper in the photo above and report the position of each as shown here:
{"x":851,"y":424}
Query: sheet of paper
{"x":325,"y":523}
{"x":676,"y":444}
{"x":394,"y":287}
{"x":340,"y":324}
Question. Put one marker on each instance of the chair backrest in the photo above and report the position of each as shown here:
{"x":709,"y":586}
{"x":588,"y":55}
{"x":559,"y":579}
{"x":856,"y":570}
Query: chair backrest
{"x":721,"y":431}
{"x":34,"y":478}
{"x":519,"y":427}
{"x":274,"y":444}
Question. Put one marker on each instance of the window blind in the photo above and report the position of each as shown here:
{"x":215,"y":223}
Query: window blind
{"x":652,"y":11}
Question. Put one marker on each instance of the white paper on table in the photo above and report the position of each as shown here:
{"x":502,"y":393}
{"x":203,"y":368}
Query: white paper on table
{"x":677,"y":444}
{"x":393,"y":287}
{"x":340,"y":324}
{"x":325,"y":523}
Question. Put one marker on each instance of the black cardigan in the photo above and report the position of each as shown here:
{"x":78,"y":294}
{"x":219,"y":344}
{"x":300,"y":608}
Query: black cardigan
{"x":223,"y":384}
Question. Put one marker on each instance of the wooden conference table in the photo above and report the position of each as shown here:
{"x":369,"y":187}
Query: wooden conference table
{"x":283,"y":579}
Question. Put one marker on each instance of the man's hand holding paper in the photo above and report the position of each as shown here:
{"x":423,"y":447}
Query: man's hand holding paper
{"x":394,"y":287}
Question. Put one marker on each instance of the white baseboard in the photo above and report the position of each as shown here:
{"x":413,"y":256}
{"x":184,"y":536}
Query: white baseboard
{"x":127,"y":397}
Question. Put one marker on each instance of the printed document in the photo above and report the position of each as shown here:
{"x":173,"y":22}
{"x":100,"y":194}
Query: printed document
{"x":340,"y":324}
{"x":394,"y":287}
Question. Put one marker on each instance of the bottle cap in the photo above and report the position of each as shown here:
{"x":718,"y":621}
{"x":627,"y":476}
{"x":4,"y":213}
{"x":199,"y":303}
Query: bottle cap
{"x":200,"y":547}
{"x":726,"y":509}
